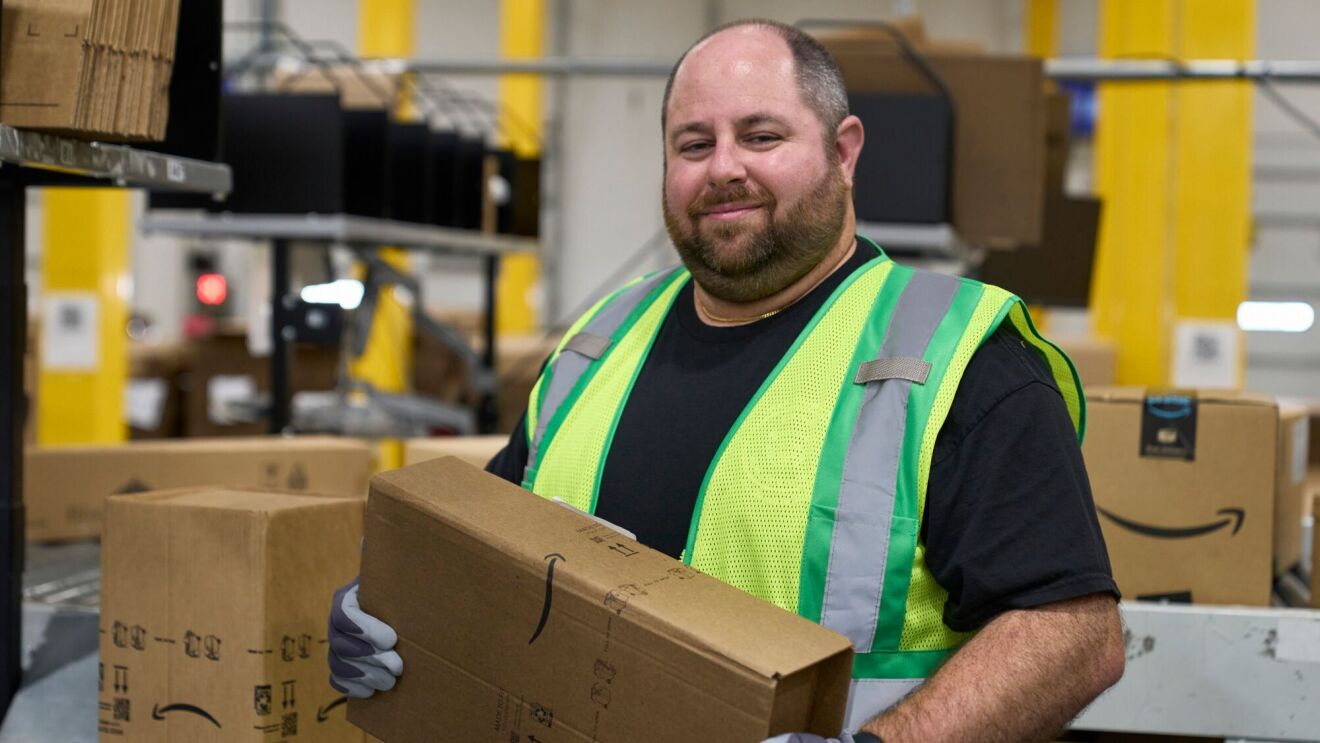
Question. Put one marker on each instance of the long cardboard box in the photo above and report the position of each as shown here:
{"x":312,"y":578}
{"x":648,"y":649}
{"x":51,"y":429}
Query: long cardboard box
{"x":1185,"y":489}
{"x":65,"y":488}
{"x":213,"y":615}
{"x":522,"y":620}
{"x":475,"y":450}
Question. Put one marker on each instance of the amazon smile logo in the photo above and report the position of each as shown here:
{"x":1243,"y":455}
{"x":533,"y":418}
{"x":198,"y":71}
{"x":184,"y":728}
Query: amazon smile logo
{"x":1233,"y":516}
{"x":551,"y":558}
{"x":158,"y":712}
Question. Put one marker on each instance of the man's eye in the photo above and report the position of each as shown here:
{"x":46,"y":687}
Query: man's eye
{"x":763,"y":139}
{"x":693,"y":147}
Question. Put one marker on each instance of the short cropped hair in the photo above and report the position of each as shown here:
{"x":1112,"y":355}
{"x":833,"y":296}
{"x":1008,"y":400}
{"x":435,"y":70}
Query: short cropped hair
{"x":819,"y":80}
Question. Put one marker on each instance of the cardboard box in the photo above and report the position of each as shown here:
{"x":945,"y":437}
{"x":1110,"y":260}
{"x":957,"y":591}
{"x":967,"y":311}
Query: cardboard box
{"x":213,"y":615}
{"x":1185,"y":492}
{"x":475,"y":450}
{"x":153,"y":402}
{"x":225,"y":380}
{"x":1314,"y":505}
{"x":519,"y":619}
{"x":88,"y":67}
{"x":999,"y":169}
{"x":1094,"y":358}
{"x":1290,"y":486}
{"x":65,"y":487}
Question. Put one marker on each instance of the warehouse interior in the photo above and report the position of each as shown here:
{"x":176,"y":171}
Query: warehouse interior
{"x":282,"y":273}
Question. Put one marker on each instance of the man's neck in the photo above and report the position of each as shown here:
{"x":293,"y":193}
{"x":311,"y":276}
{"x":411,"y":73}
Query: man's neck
{"x":718,"y":312}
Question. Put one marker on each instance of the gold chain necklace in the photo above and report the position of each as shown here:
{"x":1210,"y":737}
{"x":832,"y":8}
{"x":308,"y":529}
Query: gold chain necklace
{"x":739,"y":320}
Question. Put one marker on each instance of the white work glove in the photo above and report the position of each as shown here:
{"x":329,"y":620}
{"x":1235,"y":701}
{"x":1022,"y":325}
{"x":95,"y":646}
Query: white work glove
{"x":362,"y":657}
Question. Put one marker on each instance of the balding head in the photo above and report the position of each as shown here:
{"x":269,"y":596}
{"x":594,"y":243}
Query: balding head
{"x":817,"y":76}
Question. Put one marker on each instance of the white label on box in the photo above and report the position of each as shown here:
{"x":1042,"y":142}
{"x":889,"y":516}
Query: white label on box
{"x":1206,"y":354}
{"x":1299,"y":640}
{"x":222,"y":390}
{"x":70,"y":332}
{"x":1301,"y":448}
{"x":144,"y":402}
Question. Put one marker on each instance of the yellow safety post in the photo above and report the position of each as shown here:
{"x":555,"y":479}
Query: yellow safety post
{"x":1042,"y":28}
{"x":522,"y":36}
{"x":85,"y":291}
{"x":385,"y":29}
{"x":1212,"y":188}
{"x":1172,"y":166}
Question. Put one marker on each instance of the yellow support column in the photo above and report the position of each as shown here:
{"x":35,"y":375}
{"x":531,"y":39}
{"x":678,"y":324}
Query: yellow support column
{"x":85,"y":284}
{"x":1172,"y":166}
{"x":386,"y":29}
{"x":1042,"y":28}
{"x":1212,"y":189}
{"x":522,"y":36}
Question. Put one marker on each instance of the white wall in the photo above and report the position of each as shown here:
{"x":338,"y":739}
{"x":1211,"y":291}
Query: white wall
{"x":1285,"y":258}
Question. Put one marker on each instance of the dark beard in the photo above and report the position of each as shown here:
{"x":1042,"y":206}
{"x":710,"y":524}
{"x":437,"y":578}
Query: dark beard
{"x":771,"y":258}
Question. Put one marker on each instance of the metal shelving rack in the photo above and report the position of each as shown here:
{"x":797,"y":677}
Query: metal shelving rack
{"x":32,"y":159}
{"x":363,"y":234}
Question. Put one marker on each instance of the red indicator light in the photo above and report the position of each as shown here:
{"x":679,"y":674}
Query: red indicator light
{"x":212,"y":288}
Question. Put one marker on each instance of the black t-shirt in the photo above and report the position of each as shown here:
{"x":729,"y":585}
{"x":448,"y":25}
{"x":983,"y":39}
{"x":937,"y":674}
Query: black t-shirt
{"x":1009,"y":520}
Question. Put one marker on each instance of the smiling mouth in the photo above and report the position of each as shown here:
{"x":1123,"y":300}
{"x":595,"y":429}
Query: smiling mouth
{"x":730,"y":211}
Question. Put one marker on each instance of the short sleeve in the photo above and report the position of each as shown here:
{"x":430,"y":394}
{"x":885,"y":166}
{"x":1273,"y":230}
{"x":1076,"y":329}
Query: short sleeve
{"x":1010,"y":522}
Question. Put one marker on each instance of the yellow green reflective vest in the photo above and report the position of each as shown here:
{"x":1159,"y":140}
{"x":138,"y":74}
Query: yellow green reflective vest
{"x":814,"y":499}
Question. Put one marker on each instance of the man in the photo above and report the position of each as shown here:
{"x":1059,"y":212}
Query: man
{"x":890,"y":453}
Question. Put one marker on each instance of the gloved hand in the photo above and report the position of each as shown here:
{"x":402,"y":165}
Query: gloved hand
{"x":808,"y":738}
{"x":362,"y":657}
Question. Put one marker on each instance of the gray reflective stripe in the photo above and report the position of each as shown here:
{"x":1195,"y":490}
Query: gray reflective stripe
{"x":869,"y":697}
{"x":588,"y":344}
{"x":913,"y":370}
{"x":854,"y":581}
{"x":569,"y":367}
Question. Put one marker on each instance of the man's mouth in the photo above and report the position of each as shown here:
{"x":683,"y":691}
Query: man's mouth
{"x":730,"y":211}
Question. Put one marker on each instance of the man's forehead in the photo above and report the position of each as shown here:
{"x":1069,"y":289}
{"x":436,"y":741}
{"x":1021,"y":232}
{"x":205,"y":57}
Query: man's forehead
{"x":735,"y":55}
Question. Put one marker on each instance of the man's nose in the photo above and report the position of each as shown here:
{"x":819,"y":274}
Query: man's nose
{"x":725,"y":165}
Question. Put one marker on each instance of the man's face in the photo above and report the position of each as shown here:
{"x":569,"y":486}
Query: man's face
{"x":753,"y":195}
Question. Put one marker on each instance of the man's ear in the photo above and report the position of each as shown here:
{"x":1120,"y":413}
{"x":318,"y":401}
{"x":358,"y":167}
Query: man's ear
{"x":848,"y":139}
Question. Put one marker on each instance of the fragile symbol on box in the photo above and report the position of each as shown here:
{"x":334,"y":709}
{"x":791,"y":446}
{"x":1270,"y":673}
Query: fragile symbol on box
{"x":261,"y":699}
{"x":543,"y":715}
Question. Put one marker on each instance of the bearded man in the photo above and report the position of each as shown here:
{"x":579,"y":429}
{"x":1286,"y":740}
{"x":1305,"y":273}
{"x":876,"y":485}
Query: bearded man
{"x":891,"y":453}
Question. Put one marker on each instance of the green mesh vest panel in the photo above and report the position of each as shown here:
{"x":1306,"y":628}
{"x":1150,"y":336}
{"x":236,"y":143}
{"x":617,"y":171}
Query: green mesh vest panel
{"x":765,"y":505}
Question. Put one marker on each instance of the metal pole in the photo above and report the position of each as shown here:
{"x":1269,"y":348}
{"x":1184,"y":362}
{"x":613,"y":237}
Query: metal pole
{"x":282,"y":335}
{"x":13,"y":344}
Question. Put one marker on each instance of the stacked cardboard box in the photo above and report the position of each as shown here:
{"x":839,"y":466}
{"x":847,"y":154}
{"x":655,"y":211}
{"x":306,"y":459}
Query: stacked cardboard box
{"x":213,"y":615}
{"x":1185,"y":487}
{"x":153,"y":402}
{"x":65,"y":488}
{"x":520,"y":620}
{"x":475,"y":450}
{"x":88,"y":67}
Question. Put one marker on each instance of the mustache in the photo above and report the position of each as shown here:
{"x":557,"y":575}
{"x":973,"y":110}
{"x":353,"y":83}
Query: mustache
{"x":732,"y":194}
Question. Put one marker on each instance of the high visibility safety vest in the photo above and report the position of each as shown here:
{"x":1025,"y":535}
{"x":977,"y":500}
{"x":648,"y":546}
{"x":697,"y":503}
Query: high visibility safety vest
{"x":814,"y":499}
